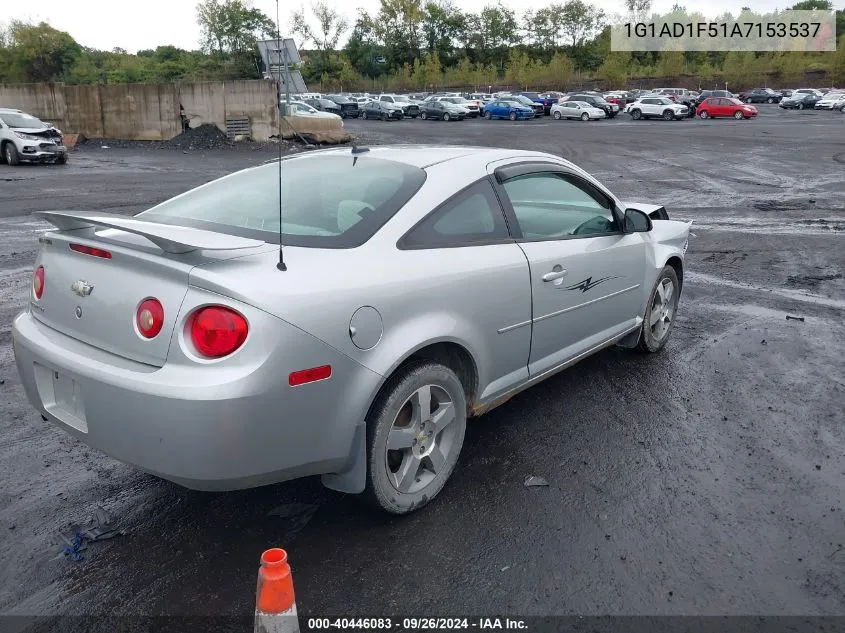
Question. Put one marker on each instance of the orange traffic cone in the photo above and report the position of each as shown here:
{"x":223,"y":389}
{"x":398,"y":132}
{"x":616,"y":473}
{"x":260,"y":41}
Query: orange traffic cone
{"x":275,"y":604}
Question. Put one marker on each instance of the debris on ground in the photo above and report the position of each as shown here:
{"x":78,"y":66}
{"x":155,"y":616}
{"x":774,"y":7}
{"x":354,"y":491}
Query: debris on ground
{"x":763,"y":342}
{"x":789,"y":317}
{"x":329,"y":137}
{"x":100,"y":528}
{"x":533,"y":481}
{"x":205,"y":137}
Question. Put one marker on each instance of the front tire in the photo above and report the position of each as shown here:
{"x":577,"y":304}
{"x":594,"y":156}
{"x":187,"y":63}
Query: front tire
{"x":512,"y":117}
{"x":364,"y":115}
{"x":423,"y":116}
{"x":703,"y":114}
{"x":660,"y":312}
{"x":12,"y":156}
{"x":770,"y":100}
{"x":749,"y":100}
{"x":414,"y":438}
{"x":447,"y":117}
{"x":842,"y":109}
{"x":488,"y":116}
{"x":800,"y":106}
{"x":62,"y":159}
{"x":738,"y":115}
{"x":668,"y":115}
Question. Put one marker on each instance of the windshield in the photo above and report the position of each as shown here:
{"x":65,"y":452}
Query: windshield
{"x":21,"y":120}
{"x":327,"y":201}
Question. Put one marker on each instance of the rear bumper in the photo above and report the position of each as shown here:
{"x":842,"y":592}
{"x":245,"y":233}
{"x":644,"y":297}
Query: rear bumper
{"x":203,"y":426}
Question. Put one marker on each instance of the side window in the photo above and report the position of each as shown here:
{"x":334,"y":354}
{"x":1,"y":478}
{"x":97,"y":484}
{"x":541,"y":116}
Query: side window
{"x":473,"y":215}
{"x":551,"y":205}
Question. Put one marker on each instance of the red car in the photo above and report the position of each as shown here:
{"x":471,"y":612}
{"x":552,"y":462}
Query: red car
{"x":721,"y":106}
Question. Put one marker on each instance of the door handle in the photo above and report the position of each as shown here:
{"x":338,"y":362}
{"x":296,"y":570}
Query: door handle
{"x":554,"y":275}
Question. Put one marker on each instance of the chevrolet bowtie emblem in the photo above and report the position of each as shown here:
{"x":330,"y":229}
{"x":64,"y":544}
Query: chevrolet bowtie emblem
{"x":81,"y":288}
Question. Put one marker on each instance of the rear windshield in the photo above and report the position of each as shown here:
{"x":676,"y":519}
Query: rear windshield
{"x":327,"y":201}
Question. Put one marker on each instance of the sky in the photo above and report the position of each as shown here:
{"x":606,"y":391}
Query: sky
{"x":106,"y":24}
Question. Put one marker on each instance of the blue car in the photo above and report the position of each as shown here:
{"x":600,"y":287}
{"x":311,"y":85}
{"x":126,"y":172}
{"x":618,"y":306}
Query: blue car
{"x":503,"y":109}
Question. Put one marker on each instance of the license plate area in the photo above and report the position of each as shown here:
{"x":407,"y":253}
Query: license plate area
{"x":61,"y":397}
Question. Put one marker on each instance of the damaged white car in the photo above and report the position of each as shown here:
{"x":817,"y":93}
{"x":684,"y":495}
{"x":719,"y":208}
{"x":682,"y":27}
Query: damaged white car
{"x":25,"y":138}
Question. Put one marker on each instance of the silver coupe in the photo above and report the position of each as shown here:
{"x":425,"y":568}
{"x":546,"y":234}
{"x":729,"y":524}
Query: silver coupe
{"x":414,"y":287}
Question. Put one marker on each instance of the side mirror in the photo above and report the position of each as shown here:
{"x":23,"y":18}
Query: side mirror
{"x":636,"y":221}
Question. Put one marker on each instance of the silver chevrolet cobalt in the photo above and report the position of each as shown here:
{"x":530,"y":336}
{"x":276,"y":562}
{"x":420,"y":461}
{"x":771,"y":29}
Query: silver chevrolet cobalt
{"x":413,"y":287}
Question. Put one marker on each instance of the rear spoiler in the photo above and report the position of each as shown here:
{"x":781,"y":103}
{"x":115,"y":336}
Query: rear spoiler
{"x":169,"y":238}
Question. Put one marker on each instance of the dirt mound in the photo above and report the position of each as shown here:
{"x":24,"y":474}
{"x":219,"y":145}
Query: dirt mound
{"x":205,"y":136}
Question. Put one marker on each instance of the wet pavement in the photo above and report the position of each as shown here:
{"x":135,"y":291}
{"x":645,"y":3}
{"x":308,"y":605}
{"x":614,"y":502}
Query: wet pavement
{"x":708,"y":479}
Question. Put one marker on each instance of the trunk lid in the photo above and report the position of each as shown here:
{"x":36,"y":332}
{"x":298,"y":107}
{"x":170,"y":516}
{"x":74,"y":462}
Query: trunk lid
{"x":105,"y":317}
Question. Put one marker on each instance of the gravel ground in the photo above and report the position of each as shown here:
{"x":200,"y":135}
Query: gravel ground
{"x":706,"y":480}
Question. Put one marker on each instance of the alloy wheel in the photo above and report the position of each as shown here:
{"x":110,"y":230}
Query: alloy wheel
{"x":662,"y":310}
{"x":421,"y":439}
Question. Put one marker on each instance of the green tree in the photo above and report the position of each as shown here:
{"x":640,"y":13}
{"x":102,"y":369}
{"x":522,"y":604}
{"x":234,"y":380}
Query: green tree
{"x":399,"y":25}
{"x":364,"y":48}
{"x":837,"y":64}
{"x":615,"y":69}
{"x":324,"y":28}
{"x":581,"y":21}
{"x":491,"y":33}
{"x":228,"y":27}
{"x":671,"y":63}
{"x":443,"y":26}
{"x":518,"y":70}
{"x":39,"y":52}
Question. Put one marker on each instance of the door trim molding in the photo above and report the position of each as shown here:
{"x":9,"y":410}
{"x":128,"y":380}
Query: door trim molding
{"x":580,"y":305}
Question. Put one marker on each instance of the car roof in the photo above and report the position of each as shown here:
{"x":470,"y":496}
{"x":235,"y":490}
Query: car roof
{"x":424,"y":156}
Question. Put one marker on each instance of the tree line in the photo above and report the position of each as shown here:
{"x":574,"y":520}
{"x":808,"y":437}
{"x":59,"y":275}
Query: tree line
{"x":407,"y":44}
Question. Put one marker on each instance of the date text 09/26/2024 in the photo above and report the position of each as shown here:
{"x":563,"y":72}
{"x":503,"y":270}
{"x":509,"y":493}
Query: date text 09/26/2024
{"x":419,"y":623}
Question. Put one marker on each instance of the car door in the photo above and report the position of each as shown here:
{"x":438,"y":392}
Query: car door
{"x":482,"y":274}
{"x":570,"y":110}
{"x":586,"y":273}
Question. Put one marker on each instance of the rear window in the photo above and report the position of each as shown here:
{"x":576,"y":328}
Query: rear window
{"x":327,"y":201}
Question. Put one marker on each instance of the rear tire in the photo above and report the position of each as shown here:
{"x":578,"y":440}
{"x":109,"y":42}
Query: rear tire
{"x":749,"y":100}
{"x":556,"y":115}
{"x":636,"y":115}
{"x":12,"y":156}
{"x":842,"y":109}
{"x":364,"y":115}
{"x":424,"y":446}
{"x":661,"y":308}
{"x":585,"y":117}
{"x":385,"y":116}
{"x":800,"y":106}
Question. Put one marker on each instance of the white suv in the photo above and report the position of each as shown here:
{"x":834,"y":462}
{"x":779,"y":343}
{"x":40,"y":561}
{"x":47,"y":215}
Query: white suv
{"x":656,"y":106}
{"x":24,"y":138}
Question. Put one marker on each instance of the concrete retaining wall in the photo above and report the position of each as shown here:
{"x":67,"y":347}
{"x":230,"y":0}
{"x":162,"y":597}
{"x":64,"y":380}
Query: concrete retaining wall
{"x":146,"y":111}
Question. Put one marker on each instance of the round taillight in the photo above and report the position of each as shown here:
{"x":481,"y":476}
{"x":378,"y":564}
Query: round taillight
{"x":150,"y":318}
{"x":217,"y":331}
{"x":38,"y":282}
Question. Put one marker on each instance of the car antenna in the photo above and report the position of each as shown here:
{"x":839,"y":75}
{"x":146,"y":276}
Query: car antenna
{"x":357,"y":150}
{"x":281,"y":265}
